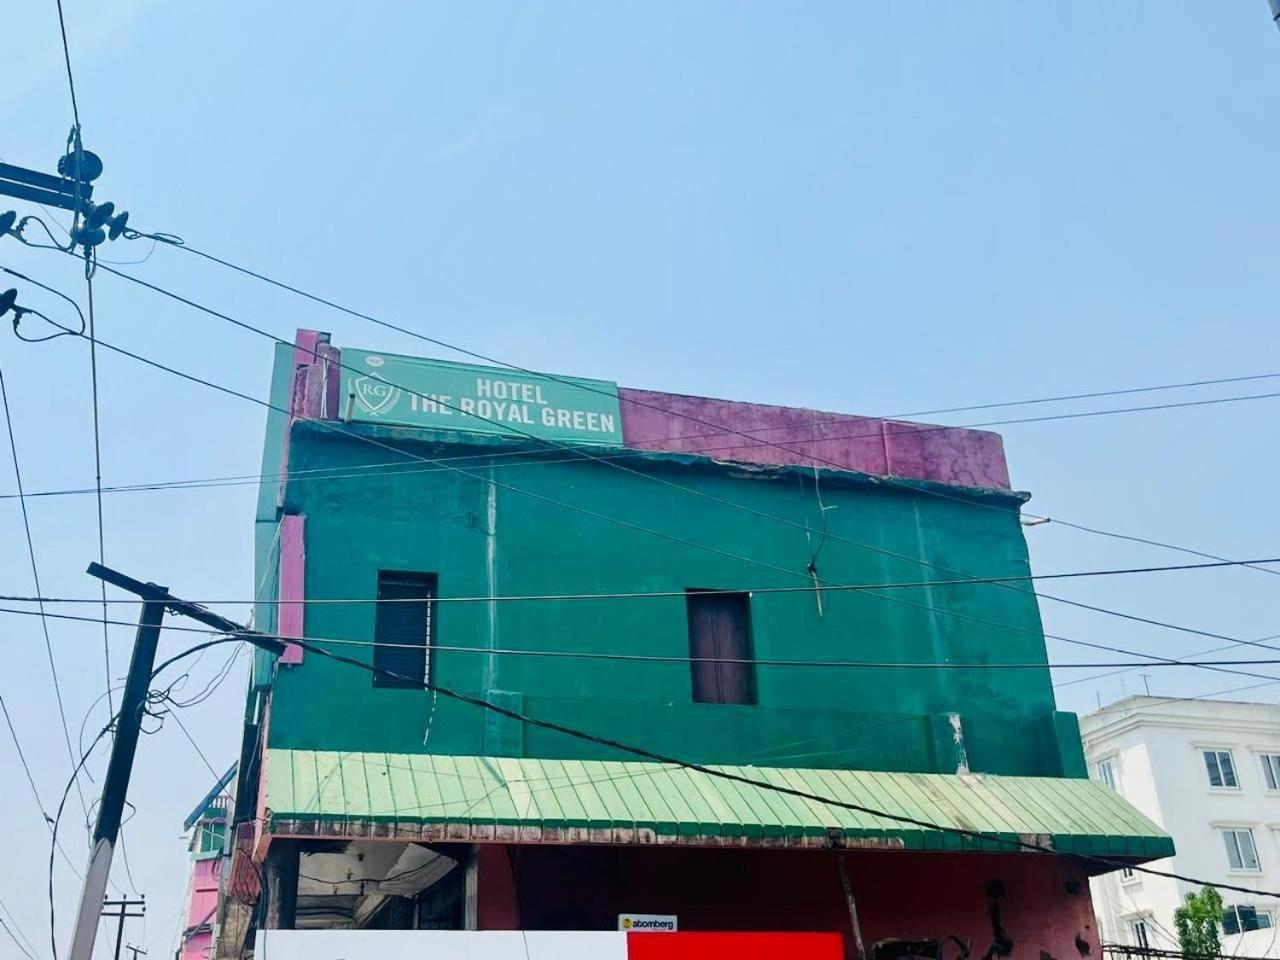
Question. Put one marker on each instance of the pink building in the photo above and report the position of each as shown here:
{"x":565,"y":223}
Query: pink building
{"x":208,"y":827}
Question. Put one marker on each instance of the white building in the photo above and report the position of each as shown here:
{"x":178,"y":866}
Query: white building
{"x":1209,"y":773}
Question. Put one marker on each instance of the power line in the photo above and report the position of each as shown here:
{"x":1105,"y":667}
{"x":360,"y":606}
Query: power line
{"x":747,"y":433}
{"x":728,"y":775}
{"x":689,"y":490}
{"x":333,"y":427}
{"x":35,"y":793}
{"x":26,"y":768}
{"x":1261,"y":641}
{"x":182,"y":245}
{"x":13,"y":926}
{"x":669,"y":594}
{"x":97,"y":472}
{"x":1267,"y":682}
{"x":585,"y":450}
{"x":75,"y":773}
{"x":656,"y":658}
{"x":635,"y":453}
{"x":66,"y":52}
{"x":1061,"y":398}
{"x":212,"y":686}
{"x":35,"y":576}
{"x":720,"y":500}
{"x":770,"y":757}
{"x":90,"y":266}
{"x":196,"y":747}
{"x":764,"y":662}
{"x":1143,"y":540}
{"x":338,"y":428}
{"x":12,"y":936}
{"x":705,"y":770}
{"x":1163,"y":701}
{"x":22,"y":757}
{"x":651,"y":477}
{"x":969,"y":501}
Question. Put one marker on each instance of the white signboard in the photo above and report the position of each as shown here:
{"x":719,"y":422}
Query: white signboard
{"x":440,"y":945}
{"x":647,"y":922}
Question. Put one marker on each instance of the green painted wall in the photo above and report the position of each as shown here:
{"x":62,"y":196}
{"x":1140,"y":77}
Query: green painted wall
{"x":483,"y":540}
{"x":266,"y":517}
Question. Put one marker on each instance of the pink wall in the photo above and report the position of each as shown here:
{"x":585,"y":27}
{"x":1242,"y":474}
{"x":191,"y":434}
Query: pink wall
{"x":792,"y":435}
{"x":199,"y":947}
{"x":205,"y":877}
{"x":204,"y":890}
{"x":775,"y":435}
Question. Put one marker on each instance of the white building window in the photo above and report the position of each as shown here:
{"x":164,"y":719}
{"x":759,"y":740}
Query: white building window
{"x":1241,"y":853}
{"x":1271,"y":770}
{"x":1128,"y":875}
{"x":1107,"y":773}
{"x":1141,"y":938}
{"x":1222,"y":771}
{"x":1240,"y":919}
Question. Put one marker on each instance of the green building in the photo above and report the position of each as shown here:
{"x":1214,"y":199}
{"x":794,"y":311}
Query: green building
{"x":556,"y":585}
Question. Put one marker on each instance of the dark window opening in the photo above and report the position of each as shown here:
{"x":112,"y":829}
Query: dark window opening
{"x":404,"y":629}
{"x":1244,"y":919}
{"x":396,"y":913}
{"x":720,"y":647}
{"x":442,"y":905}
{"x":907,"y":950}
{"x":1222,"y":771}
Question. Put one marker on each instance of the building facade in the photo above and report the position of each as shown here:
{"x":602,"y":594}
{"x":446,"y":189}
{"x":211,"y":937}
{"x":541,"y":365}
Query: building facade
{"x":607,"y":648}
{"x":1209,"y":773}
{"x":207,"y":826}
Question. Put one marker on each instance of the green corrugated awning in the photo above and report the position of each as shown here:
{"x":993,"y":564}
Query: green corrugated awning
{"x":433,"y":797}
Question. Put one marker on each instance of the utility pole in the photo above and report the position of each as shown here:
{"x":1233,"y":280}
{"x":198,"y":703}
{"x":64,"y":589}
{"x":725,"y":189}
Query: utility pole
{"x":119,"y":769}
{"x":155,"y":601}
{"x":70,"y":190}
{"x":136,"y":951}
{"x":123,"y":907}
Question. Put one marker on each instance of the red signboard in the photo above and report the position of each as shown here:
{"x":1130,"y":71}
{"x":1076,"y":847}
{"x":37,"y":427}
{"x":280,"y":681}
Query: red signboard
{"x":735,"y":946}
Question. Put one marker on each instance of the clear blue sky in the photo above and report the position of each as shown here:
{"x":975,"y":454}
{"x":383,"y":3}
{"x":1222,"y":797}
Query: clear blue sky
{"x":871,"y":208}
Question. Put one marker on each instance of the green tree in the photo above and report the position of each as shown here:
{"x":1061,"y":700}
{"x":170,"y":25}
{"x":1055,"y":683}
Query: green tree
{"x":1198,"y":922}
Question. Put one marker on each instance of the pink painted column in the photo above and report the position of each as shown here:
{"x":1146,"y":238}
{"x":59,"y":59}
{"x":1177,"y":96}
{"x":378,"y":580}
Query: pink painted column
{"x":292,"y":594}
{"x":312,"y":389}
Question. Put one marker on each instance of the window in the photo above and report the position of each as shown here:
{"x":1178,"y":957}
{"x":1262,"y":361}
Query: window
{"x":1271,"y":770}
{"x":211,"y":834}
{"x":720,"y":631}
{"x":1127,"y":874}
{"x":1140,"y":937}
{"x":1222,"y":772}
{"x":1241,"y":853}
{"x":1243,"y":919}
{"x":405,"y":623}
{"x":1107,"y":773}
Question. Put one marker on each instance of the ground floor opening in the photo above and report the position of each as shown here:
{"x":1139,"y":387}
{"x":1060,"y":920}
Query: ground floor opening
{"x":879,"y":904}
